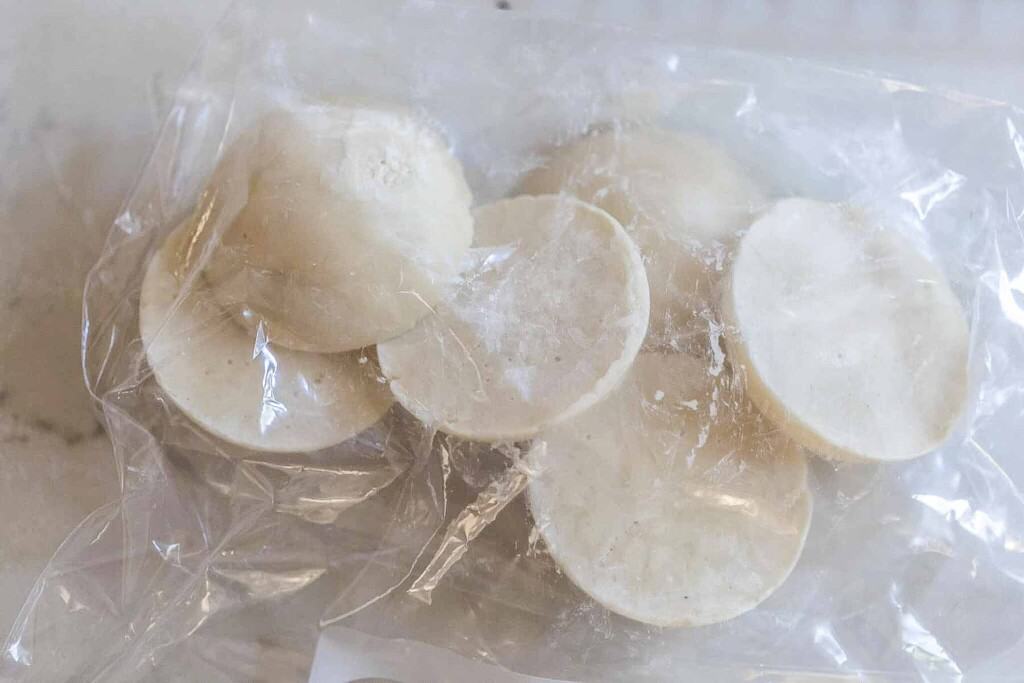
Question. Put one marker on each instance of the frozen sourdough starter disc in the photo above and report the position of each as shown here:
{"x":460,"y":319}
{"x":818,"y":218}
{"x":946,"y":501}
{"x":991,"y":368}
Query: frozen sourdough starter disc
{"x":850,"y":340}
{"x":545,"y":323}
{"x":671,"y":502}
{"x":356,"y":221}
{"x":259,"y":396}
{"x":680,"y":198}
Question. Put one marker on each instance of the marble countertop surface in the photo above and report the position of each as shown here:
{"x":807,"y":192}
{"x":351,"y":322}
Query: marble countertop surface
{"x":83,"y":88}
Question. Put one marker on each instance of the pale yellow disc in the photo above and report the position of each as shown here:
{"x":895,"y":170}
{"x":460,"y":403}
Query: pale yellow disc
{"x":849,"y":338}
{"x":672,"y":502}
{"x":257,"y":395}
{"x":545,"y":323}
{"x":681,"y":199}
{"x":356,"y":219}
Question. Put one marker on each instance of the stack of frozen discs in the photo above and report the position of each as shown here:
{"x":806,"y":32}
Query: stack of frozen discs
{"x":672,"y":488}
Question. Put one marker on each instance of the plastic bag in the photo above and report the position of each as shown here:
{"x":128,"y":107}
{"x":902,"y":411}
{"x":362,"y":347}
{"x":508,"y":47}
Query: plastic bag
{"x":218,"y":563}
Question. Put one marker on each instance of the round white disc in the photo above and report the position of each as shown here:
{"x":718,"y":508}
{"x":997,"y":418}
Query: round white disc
{"x":545,"y":323}
{"x":680,"y":198}
{"x":850,"y":339}
{"x":356,"y":220}
{"x":259,"y":396}
{"x":672,"y":502}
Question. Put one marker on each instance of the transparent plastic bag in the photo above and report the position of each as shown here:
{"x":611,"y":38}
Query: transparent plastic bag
{"x":218,"y":563}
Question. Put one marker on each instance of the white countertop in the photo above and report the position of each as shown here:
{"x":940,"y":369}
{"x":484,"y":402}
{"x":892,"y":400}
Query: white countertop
{"x":83,"y":87}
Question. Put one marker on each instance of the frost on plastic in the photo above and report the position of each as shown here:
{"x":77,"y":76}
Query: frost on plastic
{"x":221,"y":563}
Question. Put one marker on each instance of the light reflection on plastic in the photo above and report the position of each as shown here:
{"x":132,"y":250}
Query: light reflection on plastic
{"x":170,"y":552}
{"x":69,"y":601}
{"x":749,"y":104}
{"x":1007,"y":300}
{"x":472,"y":521}
{"x":200,"y":225}
{"x":1016,"y":139}
{"x":824,"y":639}
{"x":1014,"y":216}
{"x":920,"y":644}
{"x":206,"y":609}
{"x":924,"y":199}
{"x":270,"y":407}
{"x":496,"y":257}
{"x":273,"y":583}
{"x":715,"y":330}
{"x":19,"y":654}
{"x":976,"y":522}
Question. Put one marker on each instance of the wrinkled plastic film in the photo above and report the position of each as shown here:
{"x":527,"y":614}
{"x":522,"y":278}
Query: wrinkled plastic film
{"x":221,"y":563}
{"x":469,"y":524}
